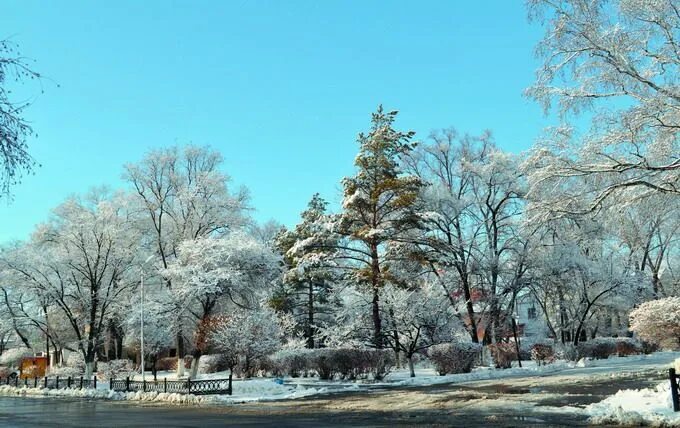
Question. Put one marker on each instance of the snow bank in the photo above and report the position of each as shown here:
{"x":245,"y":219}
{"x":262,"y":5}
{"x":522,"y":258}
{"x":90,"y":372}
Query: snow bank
{"x":429,"y":377}
{"x":243,"y":391}
{"x":636,"y":407}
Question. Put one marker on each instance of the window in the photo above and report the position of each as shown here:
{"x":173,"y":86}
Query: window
{"x":531,"y":313}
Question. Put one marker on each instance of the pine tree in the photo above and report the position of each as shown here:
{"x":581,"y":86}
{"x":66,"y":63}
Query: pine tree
{"x":309,"y":269}
{"x":378,"y":206}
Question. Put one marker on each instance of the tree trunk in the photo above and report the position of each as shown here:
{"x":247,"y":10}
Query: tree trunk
{"x":411,"y":367}
{"x":310,"y":316}
{"x":180,"y":355}
{"x":375,"y":284}
{"x":89,"y":369}
{"x":231,"y":375}
{"x":194,"y":366}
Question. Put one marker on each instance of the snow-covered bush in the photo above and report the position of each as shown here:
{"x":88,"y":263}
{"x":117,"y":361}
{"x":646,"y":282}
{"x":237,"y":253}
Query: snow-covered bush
{"x":542,"y":354}
{"x":212,"y":363}
{"x":76,"y":360}
{"x":648,"y":347}
{"x":247,"y":336}
{"x":626,"y":346}
{"x":348,"y":363}
{"x":658,"y":321}
{"x":450,"y":358}
{"x":6,"y":372}
{"x":166,"y":364}
{"x":503,"y":353}
{"x":566,"y":351}
{"x":12,"y":357}
{"x":290,"y":362}
{"x":116,"y":369}
{"x":599,"y":348}
{"x":170,"y":363}
{"x":66,"y":371}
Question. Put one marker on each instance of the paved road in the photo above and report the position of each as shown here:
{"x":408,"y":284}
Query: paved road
{"x":522,"y":403}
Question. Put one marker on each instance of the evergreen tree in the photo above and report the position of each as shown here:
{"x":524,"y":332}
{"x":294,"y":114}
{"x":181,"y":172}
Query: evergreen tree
{"x":309,"y":269}
{"x":377,"y":207}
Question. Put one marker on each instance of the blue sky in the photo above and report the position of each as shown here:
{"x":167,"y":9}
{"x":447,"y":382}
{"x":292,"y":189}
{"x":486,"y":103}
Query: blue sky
{"x":281,"y":88}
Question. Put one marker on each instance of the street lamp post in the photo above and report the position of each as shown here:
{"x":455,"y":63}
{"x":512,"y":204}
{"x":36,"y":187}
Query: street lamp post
{"x":142,"y":322}
{"x":141,"y":313}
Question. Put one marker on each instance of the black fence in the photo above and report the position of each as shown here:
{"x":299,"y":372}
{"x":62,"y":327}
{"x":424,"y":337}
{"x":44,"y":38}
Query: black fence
{"x":198,"y":387}
{"x":674,"y":389}
{"x":50,"y":383}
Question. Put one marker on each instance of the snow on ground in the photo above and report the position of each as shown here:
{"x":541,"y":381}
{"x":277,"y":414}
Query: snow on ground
{"x":267,"y":389}
{"x":245,"y":391}
{"x":636,"y":407}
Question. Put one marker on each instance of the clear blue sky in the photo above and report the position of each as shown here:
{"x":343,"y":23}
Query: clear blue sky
{"x":281,"y":88}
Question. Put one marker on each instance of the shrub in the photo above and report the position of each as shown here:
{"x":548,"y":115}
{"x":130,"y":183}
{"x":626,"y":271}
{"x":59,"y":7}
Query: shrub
{"x":348,"y":363}
{"x":379,"y":363}
{"x":626,"y":346}
{"x":542,"y":354}
{"x":648,"y":347}
{"x":170,"y":363}
{"x":76,"y":360}
{"x":12,"y":357}
{"x":658,"y":321}
{"x":166,"y":364}
{"x":600,"y":348}
{"x":451,"y":358}
{"x":503,"y":353}
{"x":213,"y":363}
{"x":6,"y":372}
{"x":66,"y":371}
{"x":290,"y":362}
{"x":566,"y":351}
{"x":115,"y":369}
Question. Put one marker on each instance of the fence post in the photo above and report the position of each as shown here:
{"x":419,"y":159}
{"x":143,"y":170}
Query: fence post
{"x":26,"y":381}
{"x":45,"y":382}
{"x":68,"y":382}
{"x":674,"y":389}
{"x":16,"y":381}
{"x":81,"y":382}
{"x":110,"y":383}
{"x":35,"y":382}
{"x":94,"y":382}
{"x":189,"y":382}
{"x":165,"y":384}
{"x":127,"y":384}
{"x":144,"y":385}
{"x":57,"y":381}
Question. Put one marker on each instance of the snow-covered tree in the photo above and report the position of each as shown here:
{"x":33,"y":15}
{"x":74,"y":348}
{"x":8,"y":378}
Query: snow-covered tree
{"x":377,"y":206}
{"x":417,"y":319}
{"x":184,"y":196}
{"x":310,"y":270}
{"x":468,"y":217}
{"x":658,"y":321}
{"x":158,"y":334}
{"x":14,"y":128}
{"x":81,"y":261}
{"x":210,"y":275}
{"x":617,"y":60}
{"x":246,"y":335}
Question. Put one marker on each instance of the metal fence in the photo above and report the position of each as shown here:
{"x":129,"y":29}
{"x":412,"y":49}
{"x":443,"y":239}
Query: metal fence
{"x":675,"y":396}
{"x":50,"y":383}
{"x":198,"y":387}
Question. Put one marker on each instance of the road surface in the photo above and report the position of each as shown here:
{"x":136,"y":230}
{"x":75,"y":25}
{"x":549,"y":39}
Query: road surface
{"x":551,"y":400}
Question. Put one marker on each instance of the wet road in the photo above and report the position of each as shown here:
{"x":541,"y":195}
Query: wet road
{"x":522,"y":403}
